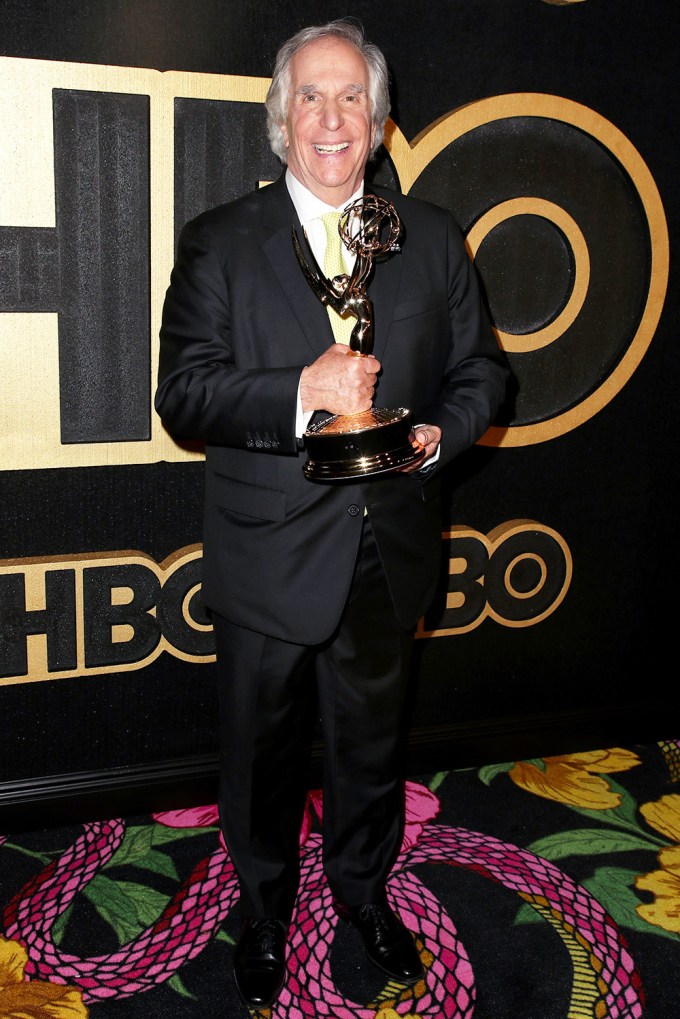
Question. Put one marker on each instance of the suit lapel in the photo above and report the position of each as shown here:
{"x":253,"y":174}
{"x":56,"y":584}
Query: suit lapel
{"x":279,"y":217}
{"x":383,"y":290}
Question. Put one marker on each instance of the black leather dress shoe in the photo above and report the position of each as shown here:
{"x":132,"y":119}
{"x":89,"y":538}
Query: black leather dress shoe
{"x":260,"y":961}
{"x":389,"y":945}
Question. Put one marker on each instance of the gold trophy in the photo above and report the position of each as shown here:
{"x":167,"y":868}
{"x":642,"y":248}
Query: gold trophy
{"x":379,"y":440}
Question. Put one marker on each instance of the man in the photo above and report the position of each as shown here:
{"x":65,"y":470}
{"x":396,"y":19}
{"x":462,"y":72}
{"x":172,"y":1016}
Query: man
{"x":297,"y":571}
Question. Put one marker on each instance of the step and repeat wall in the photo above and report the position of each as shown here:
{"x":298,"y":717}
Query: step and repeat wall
{"x":547,"y":127}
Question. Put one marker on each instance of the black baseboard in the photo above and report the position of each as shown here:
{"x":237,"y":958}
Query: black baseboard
{"x":51,"y":801}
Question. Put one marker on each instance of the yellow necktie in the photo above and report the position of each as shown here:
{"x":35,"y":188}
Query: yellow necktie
{"x":334,"y":265}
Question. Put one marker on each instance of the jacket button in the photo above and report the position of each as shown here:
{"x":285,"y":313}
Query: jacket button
{"x":354,"y":510}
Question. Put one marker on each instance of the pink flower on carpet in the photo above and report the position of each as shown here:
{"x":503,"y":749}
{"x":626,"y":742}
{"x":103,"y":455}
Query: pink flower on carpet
{"x":313,"y":809}
{"x":421,"y":805}
{"x":192,"y":817}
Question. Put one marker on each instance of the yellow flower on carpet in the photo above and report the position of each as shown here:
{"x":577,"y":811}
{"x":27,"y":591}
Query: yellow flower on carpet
{"x":664,"y":815}
{"x":37,"y":998}
{"x":665,"y":886}
{"x":575,"y":779}
{"x":390,"y":1013}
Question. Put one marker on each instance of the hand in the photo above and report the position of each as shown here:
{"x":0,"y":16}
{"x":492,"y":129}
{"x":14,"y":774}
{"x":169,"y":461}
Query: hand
{"x":340,"y":381}
{"x":429,"y":437}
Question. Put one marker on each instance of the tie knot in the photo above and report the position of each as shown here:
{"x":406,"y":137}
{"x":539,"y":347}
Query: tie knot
{"x":330,"y":221}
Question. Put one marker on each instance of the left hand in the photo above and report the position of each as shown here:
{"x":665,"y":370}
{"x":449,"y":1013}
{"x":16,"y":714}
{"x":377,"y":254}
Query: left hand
{"x":429,"y":436}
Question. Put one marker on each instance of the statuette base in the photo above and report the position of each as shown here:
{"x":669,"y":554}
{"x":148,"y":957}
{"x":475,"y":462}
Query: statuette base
{"x":351,"y":446}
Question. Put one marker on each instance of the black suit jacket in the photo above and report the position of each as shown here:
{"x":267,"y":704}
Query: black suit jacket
{"x":240,"y":322}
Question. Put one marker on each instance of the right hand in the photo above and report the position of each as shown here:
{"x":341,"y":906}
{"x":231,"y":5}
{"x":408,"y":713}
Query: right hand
{"x":340,"y":381}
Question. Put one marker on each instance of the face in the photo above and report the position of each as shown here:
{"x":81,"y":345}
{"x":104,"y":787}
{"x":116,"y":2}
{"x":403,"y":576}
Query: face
{"x":328,"y":132}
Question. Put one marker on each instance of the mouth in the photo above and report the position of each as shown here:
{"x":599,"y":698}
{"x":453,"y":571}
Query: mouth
{"x":326,"y":150}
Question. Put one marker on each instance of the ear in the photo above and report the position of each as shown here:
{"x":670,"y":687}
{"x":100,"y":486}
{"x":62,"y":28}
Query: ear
{"x":284,"y":131}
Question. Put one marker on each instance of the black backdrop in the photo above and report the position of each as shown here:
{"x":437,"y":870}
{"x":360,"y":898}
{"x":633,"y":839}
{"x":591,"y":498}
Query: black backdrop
{"x":587,"y":663}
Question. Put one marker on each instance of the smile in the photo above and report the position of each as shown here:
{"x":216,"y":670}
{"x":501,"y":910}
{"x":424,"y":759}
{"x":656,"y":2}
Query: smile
{"x":339,"y":147}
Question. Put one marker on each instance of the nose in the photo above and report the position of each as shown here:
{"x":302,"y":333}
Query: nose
{"x":332,"y":115}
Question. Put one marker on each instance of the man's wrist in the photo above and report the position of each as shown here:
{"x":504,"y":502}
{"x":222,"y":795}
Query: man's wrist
{"x":302,"y":416}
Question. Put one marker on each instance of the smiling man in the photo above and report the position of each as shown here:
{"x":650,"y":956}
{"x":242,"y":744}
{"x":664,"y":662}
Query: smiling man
{"x":311,"y":580}
{"x":328,"y":132}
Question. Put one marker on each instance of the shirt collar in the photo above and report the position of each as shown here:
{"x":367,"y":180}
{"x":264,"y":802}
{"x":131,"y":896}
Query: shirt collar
{"x":307,"y":205}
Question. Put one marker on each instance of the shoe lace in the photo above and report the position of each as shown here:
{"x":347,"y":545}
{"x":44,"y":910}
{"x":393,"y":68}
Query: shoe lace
{"x":265,"y":932}
{"x":378,"y":916}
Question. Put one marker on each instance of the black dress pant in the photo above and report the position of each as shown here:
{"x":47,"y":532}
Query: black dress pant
{"x":266,"y":727}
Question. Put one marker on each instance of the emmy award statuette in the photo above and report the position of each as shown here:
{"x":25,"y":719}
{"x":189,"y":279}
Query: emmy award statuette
{"x":379,"y":440}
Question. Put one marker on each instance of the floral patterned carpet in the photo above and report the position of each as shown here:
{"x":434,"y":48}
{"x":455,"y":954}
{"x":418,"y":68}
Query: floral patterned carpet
{"x":544,"y":889}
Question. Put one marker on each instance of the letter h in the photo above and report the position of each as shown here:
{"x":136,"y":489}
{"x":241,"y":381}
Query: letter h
{"x":57,"y":621}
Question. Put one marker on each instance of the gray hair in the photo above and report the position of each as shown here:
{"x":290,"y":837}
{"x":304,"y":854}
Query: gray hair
{"x":278,"y":95}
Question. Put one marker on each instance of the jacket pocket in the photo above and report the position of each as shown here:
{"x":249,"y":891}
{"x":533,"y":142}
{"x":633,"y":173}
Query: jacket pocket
{"x":249,"y":500}
{"x":416,"y":306}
